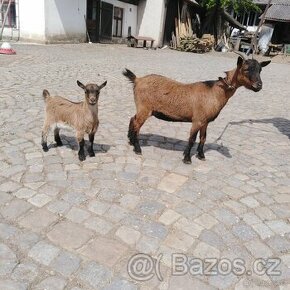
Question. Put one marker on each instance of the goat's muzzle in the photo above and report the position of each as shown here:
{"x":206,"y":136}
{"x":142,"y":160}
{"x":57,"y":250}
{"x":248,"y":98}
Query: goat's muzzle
{"x":256,"y":87}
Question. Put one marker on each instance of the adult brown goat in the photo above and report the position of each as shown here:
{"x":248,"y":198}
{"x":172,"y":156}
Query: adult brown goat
{"x":199,"y":103}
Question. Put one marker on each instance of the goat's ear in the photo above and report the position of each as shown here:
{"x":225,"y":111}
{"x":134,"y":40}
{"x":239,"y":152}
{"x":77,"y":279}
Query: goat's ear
{"x":240,"y":62}
{"x":102,"y":85}
{"x":265,"y":63}
{"x":81,"y":85}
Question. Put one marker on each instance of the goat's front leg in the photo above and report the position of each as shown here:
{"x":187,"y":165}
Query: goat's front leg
{"x":91,"y":148}
{"x":191,"y":140}
{"x":81,"y":141}
{"x":202,"y":138}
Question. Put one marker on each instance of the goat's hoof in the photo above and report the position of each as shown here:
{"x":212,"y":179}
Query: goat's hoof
{"x":82,"y":157}
{"x":186,"y":161}
{"x":137,"y":152}
{"x":59,"y":144}
{"x":45,"y":148}
{"x":200,"y":157}
{"x":92,"y":154}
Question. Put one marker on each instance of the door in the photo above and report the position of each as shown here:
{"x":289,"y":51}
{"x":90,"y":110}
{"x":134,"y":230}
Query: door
{"x":93,"y":19}
{"x":106,"y":21}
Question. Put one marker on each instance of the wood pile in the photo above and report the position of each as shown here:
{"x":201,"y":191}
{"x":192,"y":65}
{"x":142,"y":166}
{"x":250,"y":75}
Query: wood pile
{"x":197,"y":45}
{"x":184,"y":39}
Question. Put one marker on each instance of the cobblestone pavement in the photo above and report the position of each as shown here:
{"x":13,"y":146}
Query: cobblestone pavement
{"x":71,"y":225}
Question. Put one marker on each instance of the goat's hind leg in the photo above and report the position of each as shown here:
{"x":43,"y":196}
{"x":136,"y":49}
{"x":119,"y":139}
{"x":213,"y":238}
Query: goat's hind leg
{"x":81,"y":141}
{"x":57,"y":137}
{"x":136,"y":123}
{"x":44,"y":134}
{"x":202,"y":138}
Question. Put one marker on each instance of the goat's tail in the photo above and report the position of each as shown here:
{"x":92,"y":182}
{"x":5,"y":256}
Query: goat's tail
{"x":45,"y":94}
{"x":131,"y":76}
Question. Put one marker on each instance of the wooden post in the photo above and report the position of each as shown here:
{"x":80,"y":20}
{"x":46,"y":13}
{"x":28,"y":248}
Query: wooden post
{"x":5,"y":18}
{"x":254,"y":39}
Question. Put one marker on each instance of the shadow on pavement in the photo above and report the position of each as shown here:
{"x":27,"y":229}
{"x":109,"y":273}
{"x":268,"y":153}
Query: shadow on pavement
{"x":174,"y":144}
{"x":282,"y":124}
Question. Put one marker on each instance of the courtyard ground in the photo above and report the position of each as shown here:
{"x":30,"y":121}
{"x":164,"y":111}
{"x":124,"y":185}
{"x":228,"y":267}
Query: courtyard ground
{"x":71,"y":225}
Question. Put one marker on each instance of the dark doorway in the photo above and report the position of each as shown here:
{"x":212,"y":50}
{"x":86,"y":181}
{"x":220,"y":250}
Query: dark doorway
{"x":93,"y":19}
{"x":106,"y":21}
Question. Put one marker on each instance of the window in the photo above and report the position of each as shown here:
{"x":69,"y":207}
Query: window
{"x":11,"y":17}
{"x":117,"y":22}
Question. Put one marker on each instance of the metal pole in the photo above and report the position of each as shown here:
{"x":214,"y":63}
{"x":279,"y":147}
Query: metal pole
{"x":5,"y":18}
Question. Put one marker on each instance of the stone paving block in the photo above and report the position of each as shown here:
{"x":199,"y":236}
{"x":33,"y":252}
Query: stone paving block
{"x":189,"y":227}
{"x":116,"y":213}
{"x":38,"y":220}
{"x":279,"y":244}
{"x":169,"y":216}
{"x":104,"y":250}
{"x":9,"y":186}
{"x":77,"y":215}
{"x":244,"y":232}
{"x":69,"y":235}
{"x":5,"y":198}
{"x":235,"y":206}
{"x":203,"y":250}
{"x":43,"y":253}
{"x":147,"y":245}
{"x":262,"y":230}
{"x":25,"y":193}
{"x":279,"y":226}
{"x":172,"y":182}
{"x":99,"y":225}
{"x":7,"y":231}
{"x":25,"y":272}
{"x":58,"y":206}
{"x":15,"y":209}
{"x":149,"y":208}
{"x":265,"y":213}
{"x":259,"y":249}
{"x":51,"y":283}
{"x":119,"y":284}
{"x":179,"y":240}
{"x":206,"y":221}
{"x":250,"y":218}
{"x":98,"y":207}
{"x":12,"y":285}
{"x":66,"y":263}
{"x":129,"y":201}
{"x":128,"y":235}
{"x":95,"y":275}
{"x":250,"y":201}
{"x":39,"y":200}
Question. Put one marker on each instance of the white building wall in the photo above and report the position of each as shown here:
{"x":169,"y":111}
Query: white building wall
{"x":65,"y":20}
{"x":129,"y":17}
{"x":151,"y":17}
{"x":32,"y":20}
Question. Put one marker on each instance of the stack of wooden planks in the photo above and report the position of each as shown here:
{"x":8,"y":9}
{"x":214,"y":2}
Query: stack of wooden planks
{"x":184,"y":39}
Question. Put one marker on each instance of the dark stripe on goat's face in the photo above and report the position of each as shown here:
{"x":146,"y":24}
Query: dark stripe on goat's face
{"x":209,"y":84}
{"x":164,"y":117}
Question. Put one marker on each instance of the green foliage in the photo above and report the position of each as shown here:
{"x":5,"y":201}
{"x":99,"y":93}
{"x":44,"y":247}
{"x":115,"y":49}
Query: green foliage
{"x":237,"y":5}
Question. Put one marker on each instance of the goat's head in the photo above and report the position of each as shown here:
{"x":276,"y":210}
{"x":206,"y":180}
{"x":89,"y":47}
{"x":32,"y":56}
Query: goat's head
{"x":92,"y":91}
{"x":248,"y":72}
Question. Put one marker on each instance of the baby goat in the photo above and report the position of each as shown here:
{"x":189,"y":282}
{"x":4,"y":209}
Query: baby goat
{"x":83,"y":116}
{"x":198,"y":103}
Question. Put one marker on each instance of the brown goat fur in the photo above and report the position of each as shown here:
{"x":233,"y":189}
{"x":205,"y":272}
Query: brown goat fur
{"x":198,"y":103}
{"x":82,"y":116}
